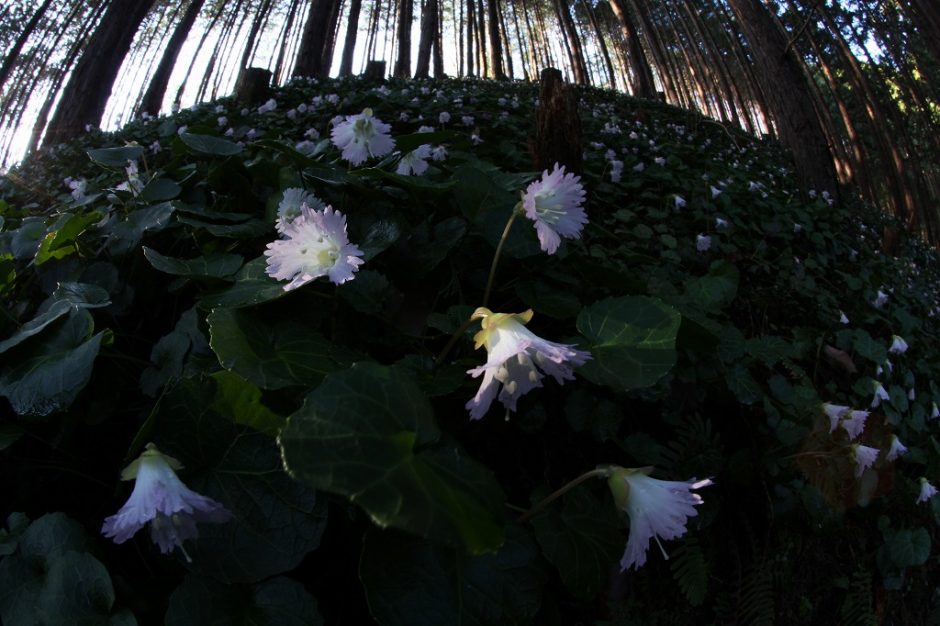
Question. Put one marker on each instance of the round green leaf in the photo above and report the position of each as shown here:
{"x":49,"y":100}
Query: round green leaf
{"x":277,"y":602}
{"x":368,"y":433}
{"x":207,"y":144}
{"x":632,"y":340}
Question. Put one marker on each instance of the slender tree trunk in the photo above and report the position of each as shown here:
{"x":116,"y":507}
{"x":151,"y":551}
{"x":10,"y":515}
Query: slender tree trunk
{"x":787,"y":95}
{"x":483,"y":61}
{"x":86,"y":94}
{"x":329,"y":46}
{"x":352,"y":31}
{"x":644,"y":87}
{"x":524,"y":46}
{"x":14,"y":52}
{"x":470,"y":28}
{"x":572,"y":42}
{"x":438,"y":54}
{"x":285,"y":41}
{"x":426,"y":42}
{"x":153,"y":99}
{"x":605,"y":53}
{"x":504,"y":39}
{"x":496,"y":45}
{"x":405,"y":20}
{"x":202,"y":40}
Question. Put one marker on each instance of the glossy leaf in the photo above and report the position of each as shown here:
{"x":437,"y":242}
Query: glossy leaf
{"x":368,"y":433}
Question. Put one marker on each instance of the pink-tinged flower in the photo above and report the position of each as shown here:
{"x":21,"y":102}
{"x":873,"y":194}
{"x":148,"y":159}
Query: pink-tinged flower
{"x":834,"y":412}
{"x":865,"y":457}
{"x":362,"y":136}
{"x":315,"y":244}
{"x":517,"y":360}
{"x":898,"y":345}
{"x":880,"y":394}
{"x":657,"y":509}
{"x":897,"y":449}
{"x":854,"y":423}
{"x":554,"y":204}
{"x":927,"y":491}
{"x":159,"y":497}
{"x":415,"y":162}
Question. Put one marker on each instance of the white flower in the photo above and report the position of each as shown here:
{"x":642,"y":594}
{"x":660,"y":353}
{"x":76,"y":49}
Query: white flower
{"x":475,"y":139}
{"x":865,"y":457}
{"x":880,"y":394}
{"x":842,"y":318}
{"x":854,"y":423}
{"x":616,"y":170}
{"x":268,"y":106}
{"x":554,"y":204}
{"x":659,"y":161}
{"x":880,"y":299}
{"x":159,"y":497}
{"x":715,"y":191}
{"x":312,"y":133}
{"x":467,"y":120}
{"x":703,"y":242}
{"x":425,"y":129}
{"x":927,"y":491}
{"x":639,"y":167}
{"x":444,"y":117}
{"x":898,"y":345}
{"x":414,"y":162}
{"x":934,"y":411}
{"x":362,"y":136}
{"x":291,"y":205}
{"x":439,"y":153}
{"x":797,"y":227}
{"x":222,"y":121}
{"x":78,"y":187}
{"x":517,"y":360}
{"x":316,"y":244}
{"x":657,"y":509}
{"x":680,"y":202}
{"x":897,"y":448}
{"x":403,"y":116}
{"x":911,"y":394}
{"x":835,"y":413}
{"x":155,"y":147}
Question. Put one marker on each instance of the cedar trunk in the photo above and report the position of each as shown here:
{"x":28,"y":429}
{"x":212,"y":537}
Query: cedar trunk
{"x":787,"y":95}
{"x":317,"y":31}
{"x":428,"y":37}
{"x":352,"y":31}
{"x":153,"y":99}
{"x":85,"y":96}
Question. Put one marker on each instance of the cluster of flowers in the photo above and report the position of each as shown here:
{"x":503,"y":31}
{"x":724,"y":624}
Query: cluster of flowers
{"x":314,"y":242}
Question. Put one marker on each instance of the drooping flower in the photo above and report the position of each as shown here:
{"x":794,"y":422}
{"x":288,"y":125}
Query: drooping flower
{"x":927,"y":491}
{"x":720,"y":223}
{"x":414,"y":162}
{"x":517,"y":360}
{"x":880,"y":394}
{"x":362,"y":136}
{"x":657,"y":509}
{"x":854,"y":423}
{"x":934,"y":411}
{"x":291,"y":205}
{"x":703,"y":242}
{"x":554,"y":204}
{"x":865,"y":457}
{"x":315,"y":244}
{"x":439,"y":153}
{"x":880,"y":299}
{"x":834,"y":412}
{"x":898,"y":345}
{"x":897,"y":448}
{"x":160,"y":498}
{"x":680,"y":202}
{"x":842,"y":318}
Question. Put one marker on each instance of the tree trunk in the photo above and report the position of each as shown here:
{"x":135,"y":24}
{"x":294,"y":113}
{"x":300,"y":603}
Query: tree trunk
{"x":405,"y":20}
{"x":329,"y":46}
{"x":428,"y":35}
{"x":578,"y":68}
{"x":285,"y":41}
{"x":153,"y":99}
{"x":608,"y":64}
{"x":438,"y":54}
{"x":496,"y":46}
{"x":483,"y":61}
{"x":470,"y":28}
{"x":352,"y":31}
{"x":317,"y":30}
{"x":558,"y":136}
{"x":14,"y":53}
{"x":643,"y":84}
{"x":85,"y":96}
{"x":787,"y":96}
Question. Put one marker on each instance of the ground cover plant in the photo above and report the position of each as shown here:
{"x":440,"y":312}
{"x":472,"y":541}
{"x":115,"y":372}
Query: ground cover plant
{"x":345,"y":358}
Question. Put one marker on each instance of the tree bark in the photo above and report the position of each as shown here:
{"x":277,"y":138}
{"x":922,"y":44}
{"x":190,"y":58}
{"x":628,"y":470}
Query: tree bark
{"x":405,"y":20}
{"x":85,"y":96}
{"x":787,"y":96}
{"x":352,"y":31}
{"x":153,"y":98}
{"x":428,"y":35}
{"x":496,"y":46}
{"x":643,"y":85}
{"x":558,"y":137}
{"x":578,"y":67}
{"x":14,"y":53}
{"x":317,"y":30}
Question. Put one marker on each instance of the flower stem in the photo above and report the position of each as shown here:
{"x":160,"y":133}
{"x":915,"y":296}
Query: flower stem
{"x":600,"y":472}
{"x":453,"y":339}
{"x":499,"y":250}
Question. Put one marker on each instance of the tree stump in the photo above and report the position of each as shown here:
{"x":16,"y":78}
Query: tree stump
{"x":375,"y":70}
{"x":253,"y":86}
{"x":558,"y":137}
